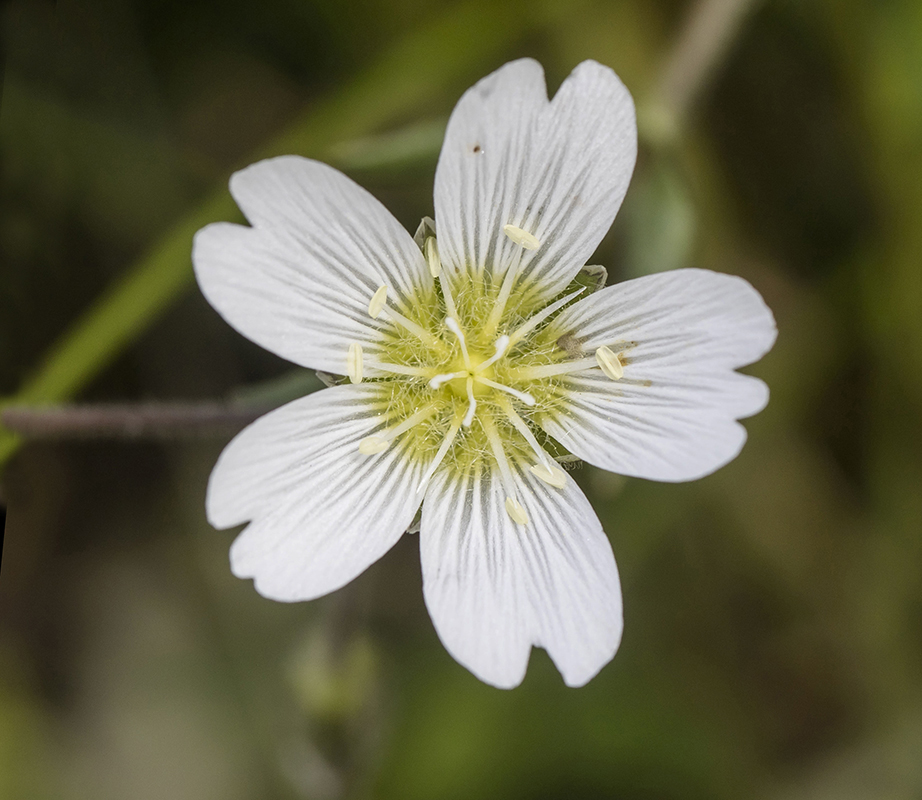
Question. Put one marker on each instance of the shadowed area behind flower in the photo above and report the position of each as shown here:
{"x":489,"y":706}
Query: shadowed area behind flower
{"x":771,"y":646}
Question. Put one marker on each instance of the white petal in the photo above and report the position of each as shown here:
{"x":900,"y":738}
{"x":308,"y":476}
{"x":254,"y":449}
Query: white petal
{"x":321,"y":511}
{"x":495,"y":588}
{"x":672,"y":416}
{"x":300,"y":280}
{"x":557,"y":170}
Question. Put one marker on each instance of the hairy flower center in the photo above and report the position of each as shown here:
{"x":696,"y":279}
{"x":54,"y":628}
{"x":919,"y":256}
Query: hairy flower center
{"x":467,"y":369}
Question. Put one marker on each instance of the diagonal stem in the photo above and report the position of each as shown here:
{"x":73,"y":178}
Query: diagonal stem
{"x":710,"y":30}
{"x":143,"y":421}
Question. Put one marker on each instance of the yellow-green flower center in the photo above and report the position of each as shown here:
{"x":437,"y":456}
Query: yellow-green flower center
{"x":467,"y":370}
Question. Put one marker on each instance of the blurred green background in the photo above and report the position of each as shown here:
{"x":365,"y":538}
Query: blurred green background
{"x":773,"y":639}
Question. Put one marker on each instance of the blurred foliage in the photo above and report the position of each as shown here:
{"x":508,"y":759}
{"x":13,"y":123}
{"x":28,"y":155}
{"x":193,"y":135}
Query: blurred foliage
{"x":773,"y":644}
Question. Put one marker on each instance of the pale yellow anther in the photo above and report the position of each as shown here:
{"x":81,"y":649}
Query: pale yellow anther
{"x":610,"y":363}
{"x":354,"y":363}
{"x":527,"y":240}
{"x":373,"y":444}
{"x":377,"y":302}
{"x":515,"y":511}
{"x":550,"y":474}
{"x":432,"y":257}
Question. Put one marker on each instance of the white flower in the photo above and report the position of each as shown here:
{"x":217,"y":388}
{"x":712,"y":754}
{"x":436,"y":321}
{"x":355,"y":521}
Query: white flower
{"x":474,"y":361}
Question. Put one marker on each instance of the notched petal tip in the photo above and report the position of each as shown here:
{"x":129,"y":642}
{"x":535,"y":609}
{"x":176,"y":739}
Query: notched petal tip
{"x":577,"y":677}
{"x":522,"y":71}
{"x":585,"y":138}
{"x":210,"y":247}
{"x":590,"y":69}
{"x":558,"y":587}
{"x":281,"y":283}
{"x":269,"y":173}
{"x":511,"y":681}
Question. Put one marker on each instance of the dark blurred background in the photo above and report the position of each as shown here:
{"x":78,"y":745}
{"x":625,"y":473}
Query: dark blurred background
{"x":773,"y":639}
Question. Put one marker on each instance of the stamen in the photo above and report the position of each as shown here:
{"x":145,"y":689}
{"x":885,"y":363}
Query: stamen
{"x":502,"y":345}
{"x":553,"y":370}
{"x":435,"y":269}
{"x":440,"y":380}
{"x":373,"y":444}
{"x":414,"y":419}
{"x":513,"y":506}
{"x":400,"y":369}
{"x":545,"y":468}
{"x":354,"y":363}
{"x":610,"y":363}
{"x":525,"y":397}
{"x":542,"y":315}
{"x":440,"y":453}
{"x":505,"y":290}
{"x":551,"y":475}
{"x":452,"y":324}
{"x":516,"y":512}
{"x":527,"y":240}
{"x":472,"y":404}
{"x":432,"y":257}
{"x":450,"y":308}
{"x":377,"y":302}
{"x":417,"y":330}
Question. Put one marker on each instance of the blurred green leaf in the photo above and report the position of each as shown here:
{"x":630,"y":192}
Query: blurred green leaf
{"x":24,"y":743}
{"x":660,"y":220}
